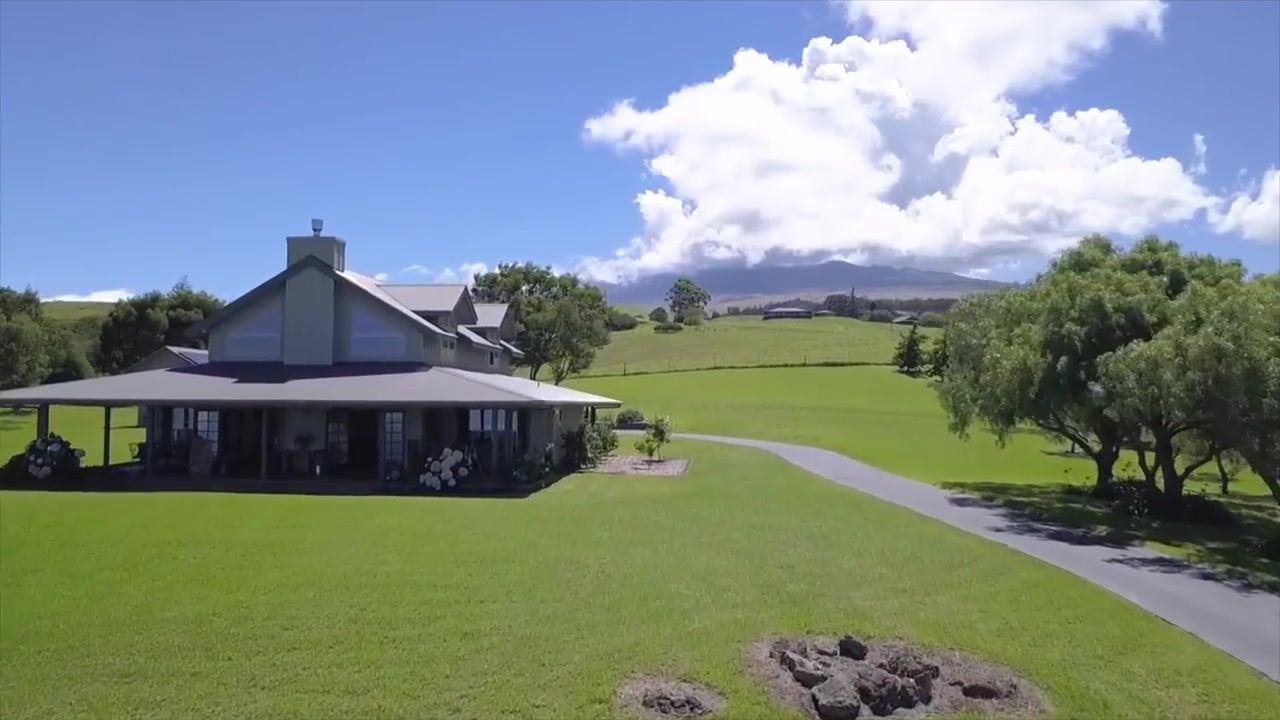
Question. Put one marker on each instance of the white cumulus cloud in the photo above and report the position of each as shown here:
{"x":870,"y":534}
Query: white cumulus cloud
{"x":902,"y":144}
{"x":464,"y":273}
{"x":1256,"y":217}
{"x":1198,"y":165}
{"x":95,"y":296}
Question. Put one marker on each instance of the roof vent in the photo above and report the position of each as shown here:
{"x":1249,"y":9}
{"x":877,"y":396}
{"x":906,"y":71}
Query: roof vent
{"x":317,"y":226}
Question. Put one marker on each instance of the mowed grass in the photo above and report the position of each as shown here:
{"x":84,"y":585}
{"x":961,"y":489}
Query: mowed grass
{"x":81,"y":425}
{"x":184,"y":605}
{"x":749,"y":342}
{"x":894,"y":422}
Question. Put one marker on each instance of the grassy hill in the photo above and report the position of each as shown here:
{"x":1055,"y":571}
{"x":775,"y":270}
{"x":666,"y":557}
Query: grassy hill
{"x":749,"y":342}
{"x":71,"y":312}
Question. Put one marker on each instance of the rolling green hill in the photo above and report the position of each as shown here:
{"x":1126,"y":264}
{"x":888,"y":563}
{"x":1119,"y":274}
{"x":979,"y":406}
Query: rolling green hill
{"x":70,"y":312}
{"x":749,"y":342}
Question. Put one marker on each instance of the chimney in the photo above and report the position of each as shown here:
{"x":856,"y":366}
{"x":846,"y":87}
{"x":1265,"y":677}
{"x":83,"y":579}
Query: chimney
{"x":331,"y":250}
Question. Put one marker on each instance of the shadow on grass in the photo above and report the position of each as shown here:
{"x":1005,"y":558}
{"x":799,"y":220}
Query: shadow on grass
{"x":1225,"y":554}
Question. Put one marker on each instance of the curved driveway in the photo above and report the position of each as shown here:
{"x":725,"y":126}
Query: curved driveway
{"x":1242,"y":621}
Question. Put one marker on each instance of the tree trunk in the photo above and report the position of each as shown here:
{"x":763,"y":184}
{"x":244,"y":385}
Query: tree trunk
{"x":533,"y":371}
{"x":1222,"y":473}
{"x":1169,"y":470}
{"x":1105,"y":460}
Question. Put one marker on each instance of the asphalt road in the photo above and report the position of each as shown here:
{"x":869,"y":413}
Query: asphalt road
{"x":1242,"y":621}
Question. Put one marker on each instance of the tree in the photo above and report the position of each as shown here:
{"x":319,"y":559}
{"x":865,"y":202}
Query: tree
{"x":23,"y":358}
{"x":66,"y":358}
{"x":1035,"y":355}
{"x":853,"y":302}
{"x":871,"y":306}
{"x":656,"y":436}
{"x":685,"y":295}
{"x":839,"y":304}
{"x":880,"y":316}
{"x":933,"y":319}
{"x":936,"y":358}
{"x":908,"y":356}
{"x":619,"y":320}
{"x":14,"y":303}
{"x":659,"y":315}
{"x":560,"y":321}
{"x":139,"y":326}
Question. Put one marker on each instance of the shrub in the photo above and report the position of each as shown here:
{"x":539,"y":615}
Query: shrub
{"x":668,"y":327}
{"x":51,"y":459}
{"x":1270,"y":547}
{"x":659,"y":315}
{"x":619,"y":320}
{"x":880,"y":316}
{"x":629,"y":416}
{"x":602,"y":441}
{"x":655,"y":437}
{"x":692,"y":317}
{"x":534,"y":468}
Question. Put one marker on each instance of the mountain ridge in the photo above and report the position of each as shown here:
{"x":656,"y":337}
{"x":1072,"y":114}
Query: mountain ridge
{"x":771,"y":283}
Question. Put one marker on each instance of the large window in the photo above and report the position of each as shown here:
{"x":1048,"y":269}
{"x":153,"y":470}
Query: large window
{"x":337,"y":437}
{"x":393,"y":438}
{"x":373,"y":337}
{"x":207,"y":427}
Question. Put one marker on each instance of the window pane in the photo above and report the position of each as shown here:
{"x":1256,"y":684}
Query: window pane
{"x":474,"y":423}
{"x":502,"y":420}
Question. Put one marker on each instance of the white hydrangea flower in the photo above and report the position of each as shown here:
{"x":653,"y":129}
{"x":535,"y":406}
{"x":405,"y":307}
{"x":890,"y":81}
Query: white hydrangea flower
{"x":463,"y":471}
{"x":79,"y":453}
{"x":45,"y":472}
{"x":457,"y":455}
{"x":435,"y":466}
{"x":452,"y":482}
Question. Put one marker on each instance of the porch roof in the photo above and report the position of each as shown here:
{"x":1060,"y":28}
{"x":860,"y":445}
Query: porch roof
{"x":276,"y":384}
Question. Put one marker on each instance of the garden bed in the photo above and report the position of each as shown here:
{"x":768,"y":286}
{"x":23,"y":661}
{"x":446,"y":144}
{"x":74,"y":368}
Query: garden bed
{"x":640,"y":465}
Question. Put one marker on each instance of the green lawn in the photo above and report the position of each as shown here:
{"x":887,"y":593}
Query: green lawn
{"x":81,"y":425}
{"x":894,"y":422}
{"x":748,"y":342}
{"x":177,"y":605}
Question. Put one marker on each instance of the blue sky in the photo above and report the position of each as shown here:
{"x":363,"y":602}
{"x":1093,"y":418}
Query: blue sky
{"x":141,"y":142}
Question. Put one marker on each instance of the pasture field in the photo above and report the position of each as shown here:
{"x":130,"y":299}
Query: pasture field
{"x":237,"y":605}
{"x":750,"y":342}
{"x":895,"y":423}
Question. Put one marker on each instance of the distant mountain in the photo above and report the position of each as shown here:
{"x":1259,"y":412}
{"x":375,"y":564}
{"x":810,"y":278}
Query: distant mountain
{"x":771,"y":283}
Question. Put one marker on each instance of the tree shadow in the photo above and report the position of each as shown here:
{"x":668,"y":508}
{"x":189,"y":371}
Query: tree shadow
{"x":1224,"y":554}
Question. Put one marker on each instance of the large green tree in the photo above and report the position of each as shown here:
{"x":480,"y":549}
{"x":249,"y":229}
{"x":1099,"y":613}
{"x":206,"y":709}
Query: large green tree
{"x":139,"y":326}
{"x":560,"y":321}
{"x":686,"y":296}
{"x":24,"y":359}
{"x":1031,"y":356}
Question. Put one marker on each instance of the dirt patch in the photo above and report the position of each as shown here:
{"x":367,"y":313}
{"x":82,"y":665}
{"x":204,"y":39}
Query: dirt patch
{"x":638,"y":465}
{"x":843,"y":678}
{"x":658,"y":697}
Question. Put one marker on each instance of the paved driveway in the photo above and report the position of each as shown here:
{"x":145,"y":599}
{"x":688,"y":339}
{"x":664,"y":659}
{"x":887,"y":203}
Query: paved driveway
{"x":1244,"y":622}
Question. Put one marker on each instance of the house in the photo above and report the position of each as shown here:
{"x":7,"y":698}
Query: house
{"x":905,"y":318}
{"x":322,"y":371}
{"x":781,"y":313}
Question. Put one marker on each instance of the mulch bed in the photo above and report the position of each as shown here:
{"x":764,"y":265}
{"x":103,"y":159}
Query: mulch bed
{"x":640,"y":465}
{"x":844,"y":678}
{"x":658,"y":697}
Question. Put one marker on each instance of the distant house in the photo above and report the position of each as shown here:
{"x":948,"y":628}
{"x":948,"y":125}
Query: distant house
{"x":783,"y":313}
{"x":906,"y":318}
{"x":323,"y":371}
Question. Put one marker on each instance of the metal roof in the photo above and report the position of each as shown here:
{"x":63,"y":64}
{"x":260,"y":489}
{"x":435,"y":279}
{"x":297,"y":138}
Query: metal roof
{"x":490,"y":315}
{"x":514,"y":350}
{"x":475,"y":338}
{"x":426,"y":298}
{"x":275,"y":384}
{"x":192,"y":356}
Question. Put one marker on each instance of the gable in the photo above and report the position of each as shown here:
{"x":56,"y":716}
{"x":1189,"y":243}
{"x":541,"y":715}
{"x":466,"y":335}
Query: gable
{"x":253,"y":333}
{"x":367,"y":330}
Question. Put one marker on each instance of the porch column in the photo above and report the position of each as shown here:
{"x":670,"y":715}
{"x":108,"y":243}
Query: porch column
{"x":42,"y":421}
{"x":262,"y":450}
{"x":381,"y":416}
{"x":149,"y":439}
{"x":106,"y":436}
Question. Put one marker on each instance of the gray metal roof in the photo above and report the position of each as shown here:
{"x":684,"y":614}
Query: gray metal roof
{"x":192,"y":356}
{"x":371,"y":286}
{"x":490,"y":315}
{"x":475,"y":338}
{"x":276,"y":384}
{"x":426,"y":298}
{"x":517,"y":352}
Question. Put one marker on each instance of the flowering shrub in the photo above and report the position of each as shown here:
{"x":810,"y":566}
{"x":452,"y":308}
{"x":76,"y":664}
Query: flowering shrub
{"x":534,"y":467}
{"x":52,"y":458}
{"x":446,"y":470}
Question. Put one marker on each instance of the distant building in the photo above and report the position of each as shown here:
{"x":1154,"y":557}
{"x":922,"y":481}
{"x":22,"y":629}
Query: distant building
{"x":788,"y":312}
